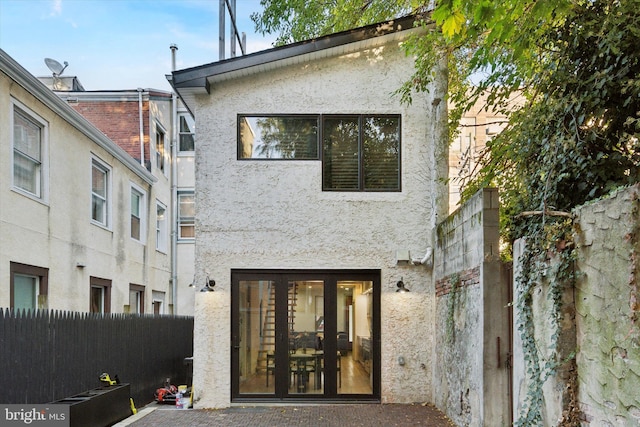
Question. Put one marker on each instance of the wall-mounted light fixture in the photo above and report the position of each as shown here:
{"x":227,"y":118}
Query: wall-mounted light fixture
{"x":401,"y":287}
{"x":208,"y":284}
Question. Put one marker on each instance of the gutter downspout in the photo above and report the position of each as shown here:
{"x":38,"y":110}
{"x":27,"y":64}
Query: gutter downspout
{"x":174,"y":189}
{"x":141,"y":120}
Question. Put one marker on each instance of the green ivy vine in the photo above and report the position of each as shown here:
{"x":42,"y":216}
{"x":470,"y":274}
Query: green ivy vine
{"x":547,"y":260}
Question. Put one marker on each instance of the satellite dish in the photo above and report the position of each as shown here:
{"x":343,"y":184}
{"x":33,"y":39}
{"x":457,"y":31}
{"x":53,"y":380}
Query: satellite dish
{"x":56,"y":68}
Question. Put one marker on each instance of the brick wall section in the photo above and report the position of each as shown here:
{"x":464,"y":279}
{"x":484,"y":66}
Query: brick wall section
{"x":120,"y":121}
{"x":470,"y":376}
{"x":467,"y":278}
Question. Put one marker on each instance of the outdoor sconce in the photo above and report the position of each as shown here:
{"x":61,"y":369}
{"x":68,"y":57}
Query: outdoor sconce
{"x":208,"y":286}
{"x":401,"y":287}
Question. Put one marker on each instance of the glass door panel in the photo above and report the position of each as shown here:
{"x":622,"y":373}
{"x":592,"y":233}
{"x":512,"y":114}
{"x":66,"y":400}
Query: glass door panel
{"x":305,"y":335}
{"x":354,"y":303}
{"x":256,"y":337}
{"x":305,"y":309}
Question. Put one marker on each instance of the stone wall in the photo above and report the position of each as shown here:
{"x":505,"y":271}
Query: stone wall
{"x":472,"y":332}
{"x":553,"y":390}
{"x":607,"y":305}
{"x":598,"y":323}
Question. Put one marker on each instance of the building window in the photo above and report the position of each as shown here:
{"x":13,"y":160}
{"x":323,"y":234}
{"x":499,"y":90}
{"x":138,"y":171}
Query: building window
{"x":160,"y":148}
{"x":361,"y":153}
{"x":136,"y":299}
{"x":158,"y":302}
{"x":278,"y":137}
{"x":100,"y":187}
{"x":187,"y":129}
{"x":100,"y":295}
{"x":28,"y":286}
{"x":29,"y":152}
{"x":138,"y":226}
{"x":161,"y":227}
{"x":187,"y":214}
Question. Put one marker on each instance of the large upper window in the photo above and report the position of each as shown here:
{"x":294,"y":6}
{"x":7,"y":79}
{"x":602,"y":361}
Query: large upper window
{"x":100,"y":176}
{"x":359,"y":152}
{"x":278,"y":137}
{"x":187,"y":129}
{"x":29,"y":145}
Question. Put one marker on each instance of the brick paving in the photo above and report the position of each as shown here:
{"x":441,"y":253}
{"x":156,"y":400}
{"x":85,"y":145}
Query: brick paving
{"x":340,"y":415}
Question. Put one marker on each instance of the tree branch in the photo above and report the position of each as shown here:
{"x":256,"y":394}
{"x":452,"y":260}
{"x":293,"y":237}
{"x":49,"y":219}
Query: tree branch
{"x":546,"y":212}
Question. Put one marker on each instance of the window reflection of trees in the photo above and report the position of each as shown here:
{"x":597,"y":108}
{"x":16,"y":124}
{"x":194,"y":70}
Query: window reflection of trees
{"x":287,"y":138}
{"x":381,"y":152}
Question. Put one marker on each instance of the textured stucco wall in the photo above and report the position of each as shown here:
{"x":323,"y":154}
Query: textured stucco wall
{"x":274,"y":214}
{"x":608,"y":310}
{"x":470,"y":377}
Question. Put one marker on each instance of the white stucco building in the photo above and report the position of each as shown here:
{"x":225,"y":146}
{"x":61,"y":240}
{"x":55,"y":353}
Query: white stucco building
{"x":80,"y":219}
{"x":317,"y":191}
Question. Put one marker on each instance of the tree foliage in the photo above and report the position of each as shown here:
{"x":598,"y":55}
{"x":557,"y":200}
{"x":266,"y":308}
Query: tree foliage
{"x":576,"y":138}
{"x":575,"y":62}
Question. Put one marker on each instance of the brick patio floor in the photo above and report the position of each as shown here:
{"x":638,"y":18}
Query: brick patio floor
{"x":341,"y":415}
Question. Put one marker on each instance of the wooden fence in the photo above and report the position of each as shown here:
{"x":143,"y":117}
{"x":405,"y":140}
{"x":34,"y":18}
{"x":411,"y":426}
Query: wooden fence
{"x":49,"y":355}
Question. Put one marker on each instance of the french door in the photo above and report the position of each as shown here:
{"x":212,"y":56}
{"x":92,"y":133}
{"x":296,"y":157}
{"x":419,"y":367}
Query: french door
{"x":305,"y":335}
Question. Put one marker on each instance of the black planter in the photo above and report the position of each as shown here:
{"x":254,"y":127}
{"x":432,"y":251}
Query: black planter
{"x":99,"y":407}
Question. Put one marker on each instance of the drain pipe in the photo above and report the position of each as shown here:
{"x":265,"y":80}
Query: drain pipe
{"x":141,"y":120}
{"x":174,"y":189}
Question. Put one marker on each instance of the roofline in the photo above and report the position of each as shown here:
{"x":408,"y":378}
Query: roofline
{"x":32,"y":85}
{"x":197,"y":77}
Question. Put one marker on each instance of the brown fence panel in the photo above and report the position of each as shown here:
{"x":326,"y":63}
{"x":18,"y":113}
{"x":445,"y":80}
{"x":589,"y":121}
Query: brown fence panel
{"x":49,"y":355}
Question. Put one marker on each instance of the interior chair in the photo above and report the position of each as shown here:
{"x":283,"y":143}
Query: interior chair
{"x":271,"y":365}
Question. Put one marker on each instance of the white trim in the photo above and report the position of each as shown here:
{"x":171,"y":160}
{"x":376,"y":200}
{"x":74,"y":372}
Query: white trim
{"x":164,"y":230}
{"x":42,"y":194}
{"x":95,"y":160}
{"x":165,"y":162}
{"x":133,"y":188}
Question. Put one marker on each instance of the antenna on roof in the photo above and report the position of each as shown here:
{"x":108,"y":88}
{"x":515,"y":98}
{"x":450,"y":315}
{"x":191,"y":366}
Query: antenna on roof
{"x":56,"y":68}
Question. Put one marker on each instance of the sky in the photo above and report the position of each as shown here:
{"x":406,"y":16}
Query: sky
{"x":120,"y":44}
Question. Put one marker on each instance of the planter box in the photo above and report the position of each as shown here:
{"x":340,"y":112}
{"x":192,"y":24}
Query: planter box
{"x":99,"y":407}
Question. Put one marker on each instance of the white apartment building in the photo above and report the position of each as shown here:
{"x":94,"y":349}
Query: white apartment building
{"x":84,"y":225}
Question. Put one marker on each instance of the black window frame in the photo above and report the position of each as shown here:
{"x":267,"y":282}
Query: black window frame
{"x":360,"y":155}
{"x":321,"y":155}
{"x":316,"y":117}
